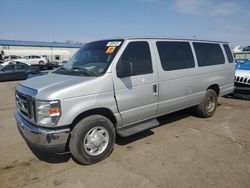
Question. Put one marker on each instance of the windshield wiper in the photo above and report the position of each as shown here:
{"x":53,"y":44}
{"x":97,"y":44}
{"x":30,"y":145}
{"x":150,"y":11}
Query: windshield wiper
{"x":82,"y":70}
{"x":59,"y":69}
{"x":62,"y":68}
{"x":76,"y":69}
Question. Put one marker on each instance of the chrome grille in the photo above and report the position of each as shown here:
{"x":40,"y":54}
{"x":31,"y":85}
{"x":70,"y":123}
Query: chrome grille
{"x":25,"y":105}
{"x":242,"y":80}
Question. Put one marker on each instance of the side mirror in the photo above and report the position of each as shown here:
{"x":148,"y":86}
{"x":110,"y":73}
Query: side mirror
{"x":124,"y":69}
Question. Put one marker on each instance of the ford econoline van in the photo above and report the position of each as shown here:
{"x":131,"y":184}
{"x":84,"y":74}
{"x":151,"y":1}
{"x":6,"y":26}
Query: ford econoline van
{"x":120,"y":87}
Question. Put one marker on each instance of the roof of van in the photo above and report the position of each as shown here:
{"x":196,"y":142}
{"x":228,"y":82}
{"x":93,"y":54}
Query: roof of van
{"x":170,"y":38}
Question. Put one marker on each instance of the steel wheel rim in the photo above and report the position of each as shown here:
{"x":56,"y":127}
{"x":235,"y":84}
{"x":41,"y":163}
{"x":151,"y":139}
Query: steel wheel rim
{"x":211,"y":104}
{"x":96,"y":140}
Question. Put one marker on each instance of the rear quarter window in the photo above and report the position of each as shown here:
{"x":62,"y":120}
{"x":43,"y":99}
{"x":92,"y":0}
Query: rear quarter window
{"x":229,"y":53}
{"x":208,"y":54}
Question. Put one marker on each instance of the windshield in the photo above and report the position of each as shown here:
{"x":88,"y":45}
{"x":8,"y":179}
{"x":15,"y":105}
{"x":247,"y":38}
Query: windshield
{"x":93,"y":59}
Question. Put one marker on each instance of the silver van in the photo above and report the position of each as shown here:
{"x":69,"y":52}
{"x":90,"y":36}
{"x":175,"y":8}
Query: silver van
{"x":120,"y":86}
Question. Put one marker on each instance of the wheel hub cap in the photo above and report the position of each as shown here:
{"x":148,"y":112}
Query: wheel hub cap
{"x":210,"y":104}
{"x":96,"y":140}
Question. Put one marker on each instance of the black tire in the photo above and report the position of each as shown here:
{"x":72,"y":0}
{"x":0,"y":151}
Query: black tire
{"x":78,"y":136}
{"x":203,"y":109}
{"x":41,"y":63}
{"x":28,"y":76}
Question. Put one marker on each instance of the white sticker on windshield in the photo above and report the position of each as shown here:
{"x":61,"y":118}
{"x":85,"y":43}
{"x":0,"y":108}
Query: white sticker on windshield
{"x":114,"y":43}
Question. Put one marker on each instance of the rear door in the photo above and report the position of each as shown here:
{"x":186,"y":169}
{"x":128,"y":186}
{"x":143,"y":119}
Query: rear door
{"x":33,"y":59}
{"x":37,"y":59}
{"x":136,"y":92}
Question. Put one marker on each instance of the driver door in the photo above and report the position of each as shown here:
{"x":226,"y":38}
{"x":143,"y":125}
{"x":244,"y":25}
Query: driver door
{"x":8,"y":72}
{"x":135,"y":83}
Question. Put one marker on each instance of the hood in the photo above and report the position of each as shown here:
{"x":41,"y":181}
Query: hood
{"x":242,"y":73}
{"x":243,"y":66}
{"x":58,"y":86}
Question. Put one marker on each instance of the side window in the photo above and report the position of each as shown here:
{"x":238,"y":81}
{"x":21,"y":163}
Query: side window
{"x":20,"y":67}
{"x":175,"y":55}
{"x":9,"y":68}
{"x":229,"y":53}
{"x":135,"y":60}
{"x":208,"y":54}
{"x":57,"y":57}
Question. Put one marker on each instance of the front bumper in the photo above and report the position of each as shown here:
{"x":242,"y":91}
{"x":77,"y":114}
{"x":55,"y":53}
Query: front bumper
{"x":242,"y":88}
{"x":50,"y":140}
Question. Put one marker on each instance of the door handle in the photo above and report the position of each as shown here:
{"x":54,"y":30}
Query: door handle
{"x":155,"y":89}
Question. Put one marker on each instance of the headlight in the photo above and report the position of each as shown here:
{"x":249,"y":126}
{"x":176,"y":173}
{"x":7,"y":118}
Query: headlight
{"x":47,"y":113}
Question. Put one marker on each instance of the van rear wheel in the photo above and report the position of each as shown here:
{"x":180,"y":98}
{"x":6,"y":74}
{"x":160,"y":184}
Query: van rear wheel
{"x":92,"y":139}
{"x":208,"y":105}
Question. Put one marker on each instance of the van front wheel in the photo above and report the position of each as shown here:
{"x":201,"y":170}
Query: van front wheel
{"x":92,"y":139}
{"x":208,"y":105}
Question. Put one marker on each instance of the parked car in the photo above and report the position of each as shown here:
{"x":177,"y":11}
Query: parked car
{"x":13,"y":62}
{"x":11,"y":57}
{"x":120,"y":86}
{"x":35,"y":59}
{"x":246,"y":48}
{"x":242,"y":79}
{"x":18,"y":71}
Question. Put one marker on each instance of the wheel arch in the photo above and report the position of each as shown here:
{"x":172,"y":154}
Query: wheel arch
{"x":215,"y":87}
{"x":97,"y":111}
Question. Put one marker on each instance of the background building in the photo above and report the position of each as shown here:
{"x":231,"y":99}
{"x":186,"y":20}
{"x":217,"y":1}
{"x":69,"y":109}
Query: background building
{"x":53,"y":51}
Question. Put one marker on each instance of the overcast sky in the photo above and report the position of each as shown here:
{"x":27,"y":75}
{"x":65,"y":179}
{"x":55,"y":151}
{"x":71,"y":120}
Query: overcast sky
{"x":83,"y":21}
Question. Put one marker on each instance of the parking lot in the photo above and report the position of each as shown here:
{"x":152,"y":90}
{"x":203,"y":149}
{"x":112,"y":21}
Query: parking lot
{"x":185,"y":151}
